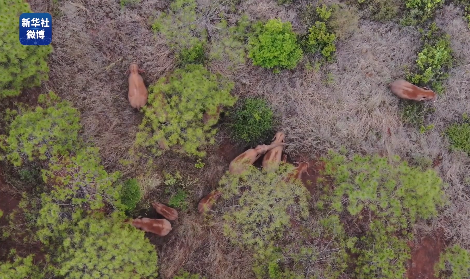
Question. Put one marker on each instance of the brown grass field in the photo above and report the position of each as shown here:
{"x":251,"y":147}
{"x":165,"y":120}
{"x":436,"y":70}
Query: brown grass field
{"x":343,"y":104}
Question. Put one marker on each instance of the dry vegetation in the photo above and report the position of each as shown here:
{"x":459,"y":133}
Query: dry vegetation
{"x":346,"y":103}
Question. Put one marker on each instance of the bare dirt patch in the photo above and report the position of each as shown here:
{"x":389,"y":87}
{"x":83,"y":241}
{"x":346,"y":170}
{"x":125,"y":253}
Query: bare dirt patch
{"x":424,"y":255}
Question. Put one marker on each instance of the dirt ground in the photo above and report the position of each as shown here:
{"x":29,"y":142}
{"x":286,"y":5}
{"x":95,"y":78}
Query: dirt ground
{"x":425,"y":255}
{"x":346,"y":104}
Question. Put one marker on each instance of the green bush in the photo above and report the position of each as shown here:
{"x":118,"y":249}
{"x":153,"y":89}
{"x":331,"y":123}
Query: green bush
{"x":434,"y":60}
{"x":193,"y":55}
{"x":459,"y":136}
{"x":20,"y":66}
{"x":106,"y":248}
{"x":274,"y":45}
{"x":20,"y":268}
{"x":260,"y":211}
{"x":228,"y":43}
{"x":454,"y":261}
{"x":130,"y":194}
{"x":253,"y":122}
{"x":179,"y":200}
{"x":180,"y":27}
{"x":369,"y":181}
{"x":319,"y":39}
{"x":187,"y":94}
{"x":422,"y":10}
{"x":80,"y":185}
{"x":49,"y":130}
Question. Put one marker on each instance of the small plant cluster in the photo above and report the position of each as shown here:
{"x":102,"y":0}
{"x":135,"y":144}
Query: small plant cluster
{"x":176,"y":105}
{"x":20,"y":66}
{"x":459,"y":135}
{"x":19,"y":268}
{"x":454,"y":262}
{"x":253,"y":122}
{"x":176,"y":188}
{"x":421,"y":10}
{"x":393,"y":194}
{"x":274,"y":45}
{"x":467,"y":15}
{"x":415,"y":113}
{"x":79,"y":213}
{"x":51,"y":129}
{"x":382,"y":10}
{"x":262,"y":201}
{"x":319,"y":38}
{"x":130,"y":194}
{"x":434,"y":60}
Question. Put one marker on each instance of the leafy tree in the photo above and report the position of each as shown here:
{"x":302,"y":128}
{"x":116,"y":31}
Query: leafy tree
{"x":20,"y":268}
{"x":253,"y":121}
{"x":130,"y":194}
{"x":20,"y":66}
{"x":106,"y":248}
{"x":274,"y":45}
{"x":261,"y":202}
{"x":455,"y":261}
{"x":50,"y":129}
{"x":180,"y":27}
{"x":80,"y":185}
{"x":175,"y":108}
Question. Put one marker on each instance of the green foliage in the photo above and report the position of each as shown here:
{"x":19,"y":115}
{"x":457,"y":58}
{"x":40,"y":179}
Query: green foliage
{"x":175,"y":108}
{"x":20,"y":66}
{"x":193,"y":55}
{"x":422,"y":10}
{"x":80,"y":185}
{"x":434,"y":60}
{"x":261,"y":204}
{"x":49,"y":130}
{"x":180,"y":27}
{"x":20,"y":268}
{"x":454,"y":262}
{"x":186,"y":275}
{"x":130,"y":194}
{"x":253,"y":121}
{"x":199,"y":164}
{"x":369,"y":181}
{"x":179,"y":200}
{"x":106,"y":248}
{"x":467,"y":15}
{"x":274,"y":45}
{"x":228,"y":43}
{"x":459,"y":136}
{"x":319,"y":39}
{"x":382,"y":10}
{"x":125,"y":3}
{"x":1,"y":213}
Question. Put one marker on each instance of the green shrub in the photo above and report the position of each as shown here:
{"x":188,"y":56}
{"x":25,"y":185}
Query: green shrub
{"x":106,"y":248}
{"x":455,"y":262}
{"x":20,"y":66}
{"x":186,"y":275}
{"x":187,"y":93}
{"x":459,"y":136}
{"x":260,"y":211}
{"x":80,"y":185}
{"x":179,"y":200}
{"x":274,"y":45}
{"x":422,"y":10}
{"x":130,"y":194}
{"x":193,"y":55}
{"x":369,"y":181}
{"x":382,"y":10}
{"x":49,"y":130}
{"x":319,"y":39}
{"x":433,"y":60}
{"x":253,"y":122}
{"x":20,"y":268}
{"x":180,"y":26}
{"x":177,"y":189}
{"x":228,"y":43}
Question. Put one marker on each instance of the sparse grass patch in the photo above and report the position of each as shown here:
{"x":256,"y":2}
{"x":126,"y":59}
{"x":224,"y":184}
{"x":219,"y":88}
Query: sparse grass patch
{"x":434,"y":60}
{"x":273,"y":45}
{"x":344,"y":20}
{"x":454,"y":263}
{"x":253,"y":122}
{"x":415,"y":113}
{"x":182,"y":274}
{"x":129,"y":3}
{"x":382,"y":10}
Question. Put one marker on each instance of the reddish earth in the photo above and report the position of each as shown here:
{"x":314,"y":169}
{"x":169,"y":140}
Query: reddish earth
{"x":424,"y":255}
{"x":229,"y":151}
